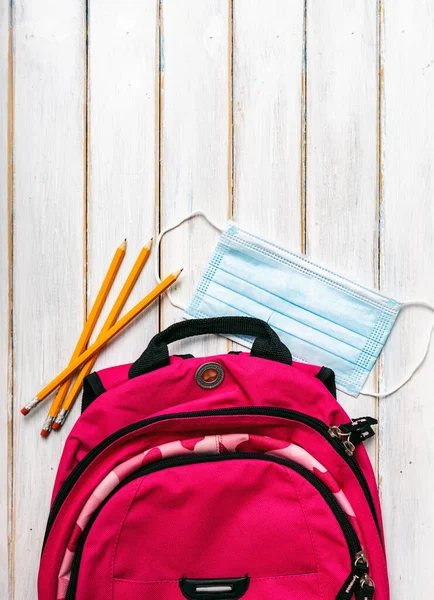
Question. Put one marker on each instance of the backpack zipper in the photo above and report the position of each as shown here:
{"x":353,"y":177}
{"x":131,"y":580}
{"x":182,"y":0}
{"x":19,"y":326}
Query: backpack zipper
{"x":335,"y":441}
{"x":358,"y":577}
{"x":355,"y":432}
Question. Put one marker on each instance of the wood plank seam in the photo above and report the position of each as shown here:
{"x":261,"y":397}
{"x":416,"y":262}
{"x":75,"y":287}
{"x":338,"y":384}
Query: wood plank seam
{"x":230,"y":109}
{"x":159,"y":119}
{"x":303,"y":139}
{"x":86,"y":166}
{"x":10,"y":350}
{"x":380,"y":366}
{"x":231,"y":126}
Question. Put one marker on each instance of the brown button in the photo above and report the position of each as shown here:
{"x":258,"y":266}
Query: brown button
{"x":210,"y":375}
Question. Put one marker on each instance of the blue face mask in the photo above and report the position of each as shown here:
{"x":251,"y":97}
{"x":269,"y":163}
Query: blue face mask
{"x":321,"y":317}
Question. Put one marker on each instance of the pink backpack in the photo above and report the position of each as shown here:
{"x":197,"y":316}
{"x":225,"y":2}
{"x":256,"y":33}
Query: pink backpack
{"x":235,"y":476}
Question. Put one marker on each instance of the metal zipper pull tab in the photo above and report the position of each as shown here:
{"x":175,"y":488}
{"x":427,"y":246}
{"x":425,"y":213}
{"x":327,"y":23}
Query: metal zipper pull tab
{"x":353,"y":584}
{"x":361,"y":564}
{"x":366,"y":588}
{"x":353,"y":433}
{"x":344,"y":437}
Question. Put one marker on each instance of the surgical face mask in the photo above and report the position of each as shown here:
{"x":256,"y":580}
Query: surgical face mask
{"x":322,"y":317}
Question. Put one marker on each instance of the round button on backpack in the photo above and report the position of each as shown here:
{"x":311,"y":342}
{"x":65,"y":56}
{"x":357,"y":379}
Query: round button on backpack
{"x":233,"y":476}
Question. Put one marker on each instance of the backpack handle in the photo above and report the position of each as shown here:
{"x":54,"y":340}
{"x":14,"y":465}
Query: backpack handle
{"x":267,"y":343}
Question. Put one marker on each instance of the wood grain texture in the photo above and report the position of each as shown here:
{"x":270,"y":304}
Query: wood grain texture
{"x":341,"y":204}
{"x":195,"y":117}
{"x":48,"y":249}
{"x":407,"y":418}
{"x":268,"y":118}
{"x":122,"y":160}
{"x":5,"y":299}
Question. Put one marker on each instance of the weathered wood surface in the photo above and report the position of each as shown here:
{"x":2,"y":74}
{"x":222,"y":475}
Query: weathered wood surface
{"x":48,"y":217}
{"x":309,"y":123}
{"x":5,"y":303}
{"x":407,"y":238}
{"x":342,"y":169}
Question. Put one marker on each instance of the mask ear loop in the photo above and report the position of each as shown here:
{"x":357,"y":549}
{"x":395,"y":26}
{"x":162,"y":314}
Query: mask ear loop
{"x":196,"y":213}
{"x":422,"y":360}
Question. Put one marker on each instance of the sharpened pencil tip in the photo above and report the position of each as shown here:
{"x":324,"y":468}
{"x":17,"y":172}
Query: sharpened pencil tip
{"x":124,"y":244}
{"x":178,"y":273}
{"x":149,"y":244}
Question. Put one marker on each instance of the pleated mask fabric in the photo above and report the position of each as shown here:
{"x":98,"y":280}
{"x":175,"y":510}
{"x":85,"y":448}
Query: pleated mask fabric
{"x":321,"y":316}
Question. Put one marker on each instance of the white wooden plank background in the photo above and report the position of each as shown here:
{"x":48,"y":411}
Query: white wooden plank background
{"x":309,"y":123}
{"x":341,"y":181}
{"x":48,"y":259}
{"x":195,"y":146}
{"x":122,"y":155}
{"x":407,"y":227}
{"x":5,"y":304}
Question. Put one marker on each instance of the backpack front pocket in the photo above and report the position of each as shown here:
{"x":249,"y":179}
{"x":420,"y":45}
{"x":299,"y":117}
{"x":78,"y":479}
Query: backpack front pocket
{"x":217,"y":516}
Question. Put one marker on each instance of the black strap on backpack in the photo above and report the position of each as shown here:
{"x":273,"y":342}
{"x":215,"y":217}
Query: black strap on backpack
{"x":266,"y":344}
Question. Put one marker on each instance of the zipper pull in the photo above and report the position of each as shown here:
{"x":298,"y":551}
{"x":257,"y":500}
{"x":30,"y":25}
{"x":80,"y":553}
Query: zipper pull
{"x":358,"y":582}
{"x":344,"y":437}
{"x":353,"y":433}
{"x":366,"y":588}
{"x":352,"y":585}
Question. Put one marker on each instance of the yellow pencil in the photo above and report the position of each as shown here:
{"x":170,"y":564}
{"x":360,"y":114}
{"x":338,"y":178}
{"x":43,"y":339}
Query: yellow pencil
{"x":87,"y":332}
{"x":96,"y":346}
{"x":110,"y":321}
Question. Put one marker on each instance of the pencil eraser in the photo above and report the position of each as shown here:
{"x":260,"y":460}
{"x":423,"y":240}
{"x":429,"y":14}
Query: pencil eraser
{"x":56,"y":426}
{"x":44,"y":433}
{"x":24,"y":411}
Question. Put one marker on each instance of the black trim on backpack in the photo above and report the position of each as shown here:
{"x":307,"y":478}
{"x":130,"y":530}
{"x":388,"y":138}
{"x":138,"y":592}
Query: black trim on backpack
{"x":327,"y":376}
{"x":92,"y":388}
